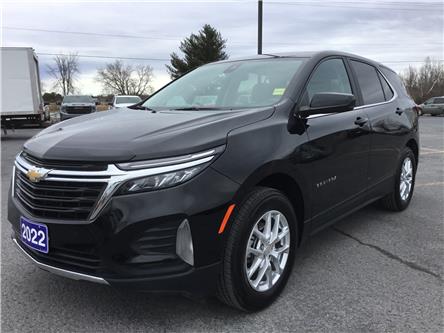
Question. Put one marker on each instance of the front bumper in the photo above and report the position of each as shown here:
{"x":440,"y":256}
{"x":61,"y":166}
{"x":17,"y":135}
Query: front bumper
{"x":132,"y":243}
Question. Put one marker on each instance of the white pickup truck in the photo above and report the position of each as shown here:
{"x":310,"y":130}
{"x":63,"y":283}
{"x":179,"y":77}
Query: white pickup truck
{"x":21,"y":96}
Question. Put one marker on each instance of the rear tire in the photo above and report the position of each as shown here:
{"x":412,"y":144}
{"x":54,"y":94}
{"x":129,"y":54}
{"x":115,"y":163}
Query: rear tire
{"x":399,"y":199}
{"x":252,"y":280}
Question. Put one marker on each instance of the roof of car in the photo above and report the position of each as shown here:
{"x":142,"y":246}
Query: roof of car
{"x":305,"y":54}
{"x":126,"y":96}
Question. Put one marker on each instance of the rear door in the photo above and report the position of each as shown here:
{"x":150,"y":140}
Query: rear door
{"x":339,"y":145}
{"x":388,"y":122}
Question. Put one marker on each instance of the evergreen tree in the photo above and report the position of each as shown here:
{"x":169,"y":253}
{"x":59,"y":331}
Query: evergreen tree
{"x":207,"y":46}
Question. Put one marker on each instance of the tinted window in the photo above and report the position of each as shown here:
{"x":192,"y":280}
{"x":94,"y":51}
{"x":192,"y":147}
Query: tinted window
{"x":439,"y":100}
{"x":236,"y":84}
{"x":369,"y":82}
{"x":330,"y":76}
{"x":395,"y":81}
{"x":127,"y":99}
{"x":78,"y":99}
{"x":388,"y":93}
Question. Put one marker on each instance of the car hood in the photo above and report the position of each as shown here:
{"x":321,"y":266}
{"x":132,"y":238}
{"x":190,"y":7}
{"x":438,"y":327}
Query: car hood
{"x":124,"y":134}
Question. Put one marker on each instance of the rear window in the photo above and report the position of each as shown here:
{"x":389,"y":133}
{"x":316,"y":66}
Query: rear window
{"x":368,"y":82}
{"x":127,"y":99}
{"x":439,"y":100}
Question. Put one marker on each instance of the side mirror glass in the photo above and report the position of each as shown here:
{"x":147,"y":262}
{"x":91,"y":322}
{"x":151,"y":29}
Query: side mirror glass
{"x":329,"y":103}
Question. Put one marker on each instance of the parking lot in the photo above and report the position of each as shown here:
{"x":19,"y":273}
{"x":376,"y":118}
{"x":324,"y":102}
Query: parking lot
{"x":374,"y":271}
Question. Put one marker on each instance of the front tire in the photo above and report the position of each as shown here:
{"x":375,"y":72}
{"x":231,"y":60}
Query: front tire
{"x":259,"y":252}
{"x":399,"y":199}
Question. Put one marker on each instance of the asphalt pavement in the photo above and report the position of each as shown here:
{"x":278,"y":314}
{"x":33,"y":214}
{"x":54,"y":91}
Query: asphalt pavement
{"x":374,"y":271}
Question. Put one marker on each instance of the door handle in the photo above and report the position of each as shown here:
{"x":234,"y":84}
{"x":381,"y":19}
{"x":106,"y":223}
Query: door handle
{"x":361,"y":121}
{"x":399,"y":111}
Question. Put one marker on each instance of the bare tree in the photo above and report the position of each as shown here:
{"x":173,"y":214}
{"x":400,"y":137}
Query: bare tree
{"x":124,"y":79}
{"x":64,"y":71}
{"x":426,"y":81}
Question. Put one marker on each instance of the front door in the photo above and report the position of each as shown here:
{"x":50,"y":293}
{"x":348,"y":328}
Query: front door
{"x":339,"y":145}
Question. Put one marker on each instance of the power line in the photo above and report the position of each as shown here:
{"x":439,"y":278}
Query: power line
{"x":178,"y":39}
{"x":102,"y":57}
{"x":90,"y":33}
{"x":160,"y":59}
{"x":354,"y":5}
{"x":398,"y":4}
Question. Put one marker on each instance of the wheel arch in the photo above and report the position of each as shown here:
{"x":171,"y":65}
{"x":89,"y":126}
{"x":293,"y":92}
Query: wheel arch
{"x":413,"y":145}
{"x":285,"y":182}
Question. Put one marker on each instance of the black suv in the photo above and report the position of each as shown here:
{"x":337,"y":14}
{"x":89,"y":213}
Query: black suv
{"x":211,"y":184}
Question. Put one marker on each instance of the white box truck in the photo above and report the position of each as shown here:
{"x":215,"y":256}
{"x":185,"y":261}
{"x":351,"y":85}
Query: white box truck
{"x":21,"y":96}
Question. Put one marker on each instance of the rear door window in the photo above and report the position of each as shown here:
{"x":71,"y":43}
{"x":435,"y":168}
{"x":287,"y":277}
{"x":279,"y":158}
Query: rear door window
{"x":369,"y":82}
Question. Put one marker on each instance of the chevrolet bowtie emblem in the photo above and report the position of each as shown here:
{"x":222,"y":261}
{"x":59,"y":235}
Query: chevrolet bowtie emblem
{"x":36,"y":175}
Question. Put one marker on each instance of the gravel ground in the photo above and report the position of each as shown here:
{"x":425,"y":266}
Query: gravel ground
{"x":374,"y":271}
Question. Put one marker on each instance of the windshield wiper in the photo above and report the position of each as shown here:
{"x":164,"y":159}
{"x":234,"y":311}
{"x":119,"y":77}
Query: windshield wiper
{"x":141,"y":107}
{"x":197,"y":108}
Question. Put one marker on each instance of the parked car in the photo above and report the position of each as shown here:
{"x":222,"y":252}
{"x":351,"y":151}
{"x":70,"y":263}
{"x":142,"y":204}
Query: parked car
{"x":76,"y":105}
{"x":433,"y":106}
{"x":123,"y":101}
{"x":212,"y":184}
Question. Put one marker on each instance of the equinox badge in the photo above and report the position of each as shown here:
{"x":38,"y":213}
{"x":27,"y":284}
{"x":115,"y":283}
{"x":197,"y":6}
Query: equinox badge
{"x":36,"y":175}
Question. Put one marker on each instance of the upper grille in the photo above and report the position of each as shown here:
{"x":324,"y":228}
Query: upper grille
{"x":57,"y":199}
{"x":64,"y":165}
{"x":78,"y":109}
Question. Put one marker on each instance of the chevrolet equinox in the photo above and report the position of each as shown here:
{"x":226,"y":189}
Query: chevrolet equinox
{"x":210,"y":185}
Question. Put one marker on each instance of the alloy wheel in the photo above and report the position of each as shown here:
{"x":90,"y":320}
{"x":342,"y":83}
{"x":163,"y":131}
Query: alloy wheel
{"x":267,"y":251}
{"x":406,"y":181}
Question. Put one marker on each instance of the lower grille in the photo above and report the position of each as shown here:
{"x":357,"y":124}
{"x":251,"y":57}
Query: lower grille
{"x":82,"y":260}
{"x":57,"y":199}
{"x":158,"y":241}
{"x":78,"y":110}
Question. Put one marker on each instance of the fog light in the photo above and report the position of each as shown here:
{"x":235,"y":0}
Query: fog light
{"x":184,"y":243}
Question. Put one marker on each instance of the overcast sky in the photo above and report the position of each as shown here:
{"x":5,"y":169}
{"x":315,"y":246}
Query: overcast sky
{"x":396,"y":33}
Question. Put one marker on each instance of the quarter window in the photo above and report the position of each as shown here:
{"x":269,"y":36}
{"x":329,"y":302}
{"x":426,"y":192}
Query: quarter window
{"x":388,"y":93}
{"x":369,"y":82}
{"x":329,"y":76}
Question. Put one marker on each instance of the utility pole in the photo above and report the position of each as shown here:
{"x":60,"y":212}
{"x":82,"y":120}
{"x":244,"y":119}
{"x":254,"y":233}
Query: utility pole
{"x":259,"y":27}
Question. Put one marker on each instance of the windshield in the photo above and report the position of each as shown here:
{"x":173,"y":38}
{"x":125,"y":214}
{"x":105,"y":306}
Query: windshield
{"x":78,"y":99}
{"x":128,"y":100}
{"x":238,"y":84}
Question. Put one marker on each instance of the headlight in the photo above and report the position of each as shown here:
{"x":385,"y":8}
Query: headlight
{"x":156,"y":182}
{"x":158,"y":174}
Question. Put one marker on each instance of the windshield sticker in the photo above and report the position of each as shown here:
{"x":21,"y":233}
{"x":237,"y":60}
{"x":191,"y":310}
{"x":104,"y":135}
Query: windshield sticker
{"x":278,"y":91}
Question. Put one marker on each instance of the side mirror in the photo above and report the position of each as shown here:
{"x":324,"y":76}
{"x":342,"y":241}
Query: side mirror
{"x":329,"y":103}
